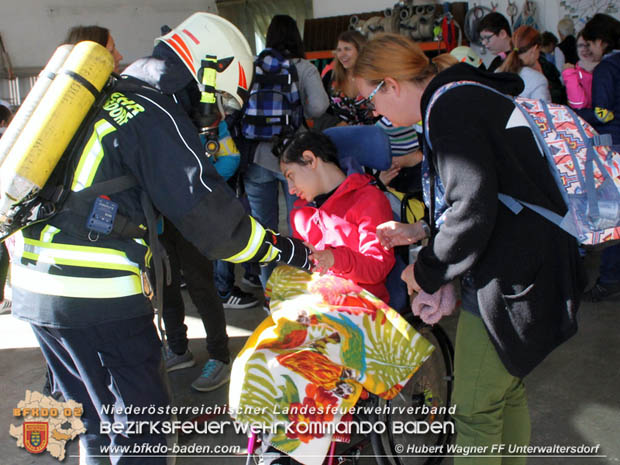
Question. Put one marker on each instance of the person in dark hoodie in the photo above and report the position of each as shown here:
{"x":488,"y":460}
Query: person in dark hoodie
{"x":495,"y":36}
{"x":520,"y":275}
{"x":85,"y":294}
{"x":602,"y":34}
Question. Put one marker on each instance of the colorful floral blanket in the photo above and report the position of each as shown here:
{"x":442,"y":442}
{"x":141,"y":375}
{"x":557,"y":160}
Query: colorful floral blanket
{"x":306,"y":365}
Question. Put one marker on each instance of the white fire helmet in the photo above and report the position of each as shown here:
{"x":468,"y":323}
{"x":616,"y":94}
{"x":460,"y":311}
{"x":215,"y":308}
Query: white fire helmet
{"x":466,"y":55}
{"x":205,"y":35}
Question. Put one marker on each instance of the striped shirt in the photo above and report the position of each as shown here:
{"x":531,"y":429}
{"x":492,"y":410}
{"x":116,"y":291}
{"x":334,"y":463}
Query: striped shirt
{"x":403,"y":140}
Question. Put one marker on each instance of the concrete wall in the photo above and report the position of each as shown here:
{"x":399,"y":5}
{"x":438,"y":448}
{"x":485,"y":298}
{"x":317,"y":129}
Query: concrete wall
{"x":32,"y":29}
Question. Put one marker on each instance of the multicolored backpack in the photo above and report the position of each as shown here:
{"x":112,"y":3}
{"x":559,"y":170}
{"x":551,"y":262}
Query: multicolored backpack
{"x":584,"y":166}
{"x":274,"y":102}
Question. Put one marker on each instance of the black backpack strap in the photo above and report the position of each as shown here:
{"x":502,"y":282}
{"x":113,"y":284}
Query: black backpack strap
{"x":297,"y":106}
{"x":77,"y":207}
{"x":261,"y":120}
{"x":284,"y":80}
{"x":160,"y":262}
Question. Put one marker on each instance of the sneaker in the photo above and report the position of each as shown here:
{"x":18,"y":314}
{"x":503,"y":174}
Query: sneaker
{"x":600,"y":292}
{"x":252,"y":281}
{"x":5,"y":306}
{"x":214,"y":374}
{"x":239,"y":299}
{"x":178,"y":362}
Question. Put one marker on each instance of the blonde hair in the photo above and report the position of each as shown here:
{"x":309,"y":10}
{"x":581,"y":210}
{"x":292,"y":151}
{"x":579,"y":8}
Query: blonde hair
{"x":398,"y":57}
{"x":566,"y":27}
{"x":445,"y":60}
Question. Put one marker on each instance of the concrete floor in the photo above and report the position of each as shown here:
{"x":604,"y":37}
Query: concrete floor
{"x":573,"y":395}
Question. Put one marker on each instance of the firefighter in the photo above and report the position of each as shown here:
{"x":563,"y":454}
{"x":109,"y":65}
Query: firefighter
{"x":84,"y":289}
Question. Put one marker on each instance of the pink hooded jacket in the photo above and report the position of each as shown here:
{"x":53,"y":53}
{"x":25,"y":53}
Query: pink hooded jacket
{"x":578,"y":83}
{"x":347,"y":224}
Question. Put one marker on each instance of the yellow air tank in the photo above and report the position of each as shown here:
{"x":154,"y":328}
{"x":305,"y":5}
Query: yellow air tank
{"x":51,"y":127}
{"x":35,"y":95}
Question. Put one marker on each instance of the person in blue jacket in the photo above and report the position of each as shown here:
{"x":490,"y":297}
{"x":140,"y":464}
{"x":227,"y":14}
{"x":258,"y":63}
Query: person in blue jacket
{"x":602,"y":34}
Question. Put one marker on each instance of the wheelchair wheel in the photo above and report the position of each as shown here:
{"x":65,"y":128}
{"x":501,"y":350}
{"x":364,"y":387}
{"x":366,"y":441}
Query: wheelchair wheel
{"x":428,"y":392}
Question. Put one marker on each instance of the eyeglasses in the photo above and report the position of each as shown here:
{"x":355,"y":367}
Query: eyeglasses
{"x":486,"y":38}
{"x":368,"y":101}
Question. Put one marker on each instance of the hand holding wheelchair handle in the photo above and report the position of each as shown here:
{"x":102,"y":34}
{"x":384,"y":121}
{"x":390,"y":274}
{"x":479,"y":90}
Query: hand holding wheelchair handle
{"x":291,"y":251}
{"x":392,"y":233}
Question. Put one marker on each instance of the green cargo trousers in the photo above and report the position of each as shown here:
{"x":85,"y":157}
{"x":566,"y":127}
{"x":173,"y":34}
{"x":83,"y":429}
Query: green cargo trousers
{"x":491,"y":405}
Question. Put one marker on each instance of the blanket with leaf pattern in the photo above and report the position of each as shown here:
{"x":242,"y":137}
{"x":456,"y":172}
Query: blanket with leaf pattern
{"x":327,"y":340}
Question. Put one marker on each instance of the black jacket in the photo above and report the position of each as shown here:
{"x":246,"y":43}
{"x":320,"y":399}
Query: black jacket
{"x":526,"y":271}
{"x":143,"y":132}
{"x":497,"y":61}
{"x":569,"y":48}
{"x":556,"y":88}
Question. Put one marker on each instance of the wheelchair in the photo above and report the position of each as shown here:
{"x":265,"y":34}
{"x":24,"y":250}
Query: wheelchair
{"x":425,"y":399}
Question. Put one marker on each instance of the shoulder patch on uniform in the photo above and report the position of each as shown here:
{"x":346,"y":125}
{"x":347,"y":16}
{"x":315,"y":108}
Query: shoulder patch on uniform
{"x":604,"y":115}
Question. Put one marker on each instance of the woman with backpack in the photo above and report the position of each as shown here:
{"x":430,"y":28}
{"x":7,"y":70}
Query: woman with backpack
{"x":519,"y":295}
{"x":263,"y":175}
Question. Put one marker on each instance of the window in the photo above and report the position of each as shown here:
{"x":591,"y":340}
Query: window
{"x":252,"y":17}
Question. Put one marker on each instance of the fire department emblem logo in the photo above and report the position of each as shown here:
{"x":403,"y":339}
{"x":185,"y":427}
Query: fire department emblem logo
{"x":47,"y":425}
{"x":35,"y":436}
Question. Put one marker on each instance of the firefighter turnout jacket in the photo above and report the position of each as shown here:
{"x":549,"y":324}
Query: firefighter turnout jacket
{"x":70,"y":280}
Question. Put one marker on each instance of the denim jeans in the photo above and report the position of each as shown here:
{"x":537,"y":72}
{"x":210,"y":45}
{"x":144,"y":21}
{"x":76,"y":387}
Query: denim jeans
{"x":610,"y":258}
{"x":224,"y":275}
{"x":224,"y":272}
{"x":261,"y":187}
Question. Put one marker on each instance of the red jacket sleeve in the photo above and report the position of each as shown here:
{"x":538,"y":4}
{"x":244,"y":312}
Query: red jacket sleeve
{"x":369,"y":262}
